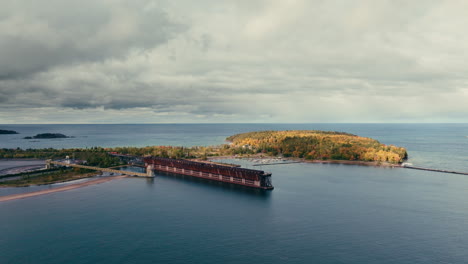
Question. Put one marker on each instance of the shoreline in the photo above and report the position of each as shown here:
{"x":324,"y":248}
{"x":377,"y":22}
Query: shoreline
{"x":73,"y":178}
{"x":59,"y":189}
{"x":355,"y":162}
{"x":301,"y":160}
{"x":21,"y":169}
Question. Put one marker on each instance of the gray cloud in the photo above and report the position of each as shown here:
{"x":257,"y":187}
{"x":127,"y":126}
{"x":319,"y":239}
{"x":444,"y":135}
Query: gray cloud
{"x":36,"y":36}
{"x":271,"y":61}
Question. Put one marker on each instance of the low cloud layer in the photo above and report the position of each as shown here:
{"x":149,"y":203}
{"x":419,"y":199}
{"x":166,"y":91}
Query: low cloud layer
{"x":253,"y":61}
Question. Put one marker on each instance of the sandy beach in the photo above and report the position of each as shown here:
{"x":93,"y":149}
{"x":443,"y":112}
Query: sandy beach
{"x":59,"y":189}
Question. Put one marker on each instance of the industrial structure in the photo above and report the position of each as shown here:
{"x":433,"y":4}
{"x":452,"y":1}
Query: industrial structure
{"x":240,"y":176}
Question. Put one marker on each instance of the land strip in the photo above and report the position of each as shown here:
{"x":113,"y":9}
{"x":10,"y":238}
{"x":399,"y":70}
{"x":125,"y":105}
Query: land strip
{"x":435,"y":170}
{"x":290,"y":160}
{"x":59,"y":189}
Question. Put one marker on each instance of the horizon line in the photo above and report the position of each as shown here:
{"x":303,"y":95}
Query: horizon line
{"x":238,"y":123}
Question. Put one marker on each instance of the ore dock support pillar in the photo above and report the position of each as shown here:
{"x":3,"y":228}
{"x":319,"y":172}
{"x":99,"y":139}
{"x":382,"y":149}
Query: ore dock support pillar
{"x":48,"y":165}
{"x":150,"y":170}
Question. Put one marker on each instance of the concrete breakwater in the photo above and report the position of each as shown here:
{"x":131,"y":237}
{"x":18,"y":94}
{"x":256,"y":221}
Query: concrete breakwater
{"x":435,"y":170}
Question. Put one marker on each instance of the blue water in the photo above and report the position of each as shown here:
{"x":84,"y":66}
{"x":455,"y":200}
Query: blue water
{"x":317,"y":213}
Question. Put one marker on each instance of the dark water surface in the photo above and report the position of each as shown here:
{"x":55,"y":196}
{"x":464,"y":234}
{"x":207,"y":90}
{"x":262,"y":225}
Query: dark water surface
{"x":316,"y":213}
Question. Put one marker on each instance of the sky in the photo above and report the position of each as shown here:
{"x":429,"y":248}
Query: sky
{"x":252,"y":61}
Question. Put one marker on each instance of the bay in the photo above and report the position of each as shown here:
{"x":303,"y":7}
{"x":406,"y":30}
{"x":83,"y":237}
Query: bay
{"x":317,"y":213}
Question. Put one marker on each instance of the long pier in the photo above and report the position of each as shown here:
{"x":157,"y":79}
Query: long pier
{"x":435,"y":170}
{"x":130,"y":173}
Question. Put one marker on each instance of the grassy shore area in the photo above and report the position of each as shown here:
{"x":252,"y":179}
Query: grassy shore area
{"x":59,"y":189}
{"x":48,"y":178}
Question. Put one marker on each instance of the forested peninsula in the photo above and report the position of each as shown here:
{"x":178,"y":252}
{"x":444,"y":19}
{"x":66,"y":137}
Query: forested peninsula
{"x":319,"y":145}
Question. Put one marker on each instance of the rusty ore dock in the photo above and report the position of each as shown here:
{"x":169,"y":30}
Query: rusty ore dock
{"x":234,"y":175}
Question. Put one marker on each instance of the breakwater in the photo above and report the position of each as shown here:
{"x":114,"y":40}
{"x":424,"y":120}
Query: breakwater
{"x":435,"y":170}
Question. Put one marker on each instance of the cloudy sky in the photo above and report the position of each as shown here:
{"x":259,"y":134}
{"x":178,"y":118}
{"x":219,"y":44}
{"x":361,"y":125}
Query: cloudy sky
{"x":184,"y":61}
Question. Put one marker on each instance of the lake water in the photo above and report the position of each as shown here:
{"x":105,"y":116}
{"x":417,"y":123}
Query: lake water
{"x":317,"y":213}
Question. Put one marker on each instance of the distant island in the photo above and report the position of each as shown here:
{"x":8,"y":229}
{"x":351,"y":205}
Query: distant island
{"x":4,"y":132}
{"x":47,"y":135}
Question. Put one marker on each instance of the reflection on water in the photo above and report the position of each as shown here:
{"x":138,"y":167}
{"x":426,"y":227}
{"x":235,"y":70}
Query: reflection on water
{"x":202,"y":182}
{"x":149,"y":181}
{"x":133,"y":168}
{"x":317,"y":213}
{"x":215,"y":185}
